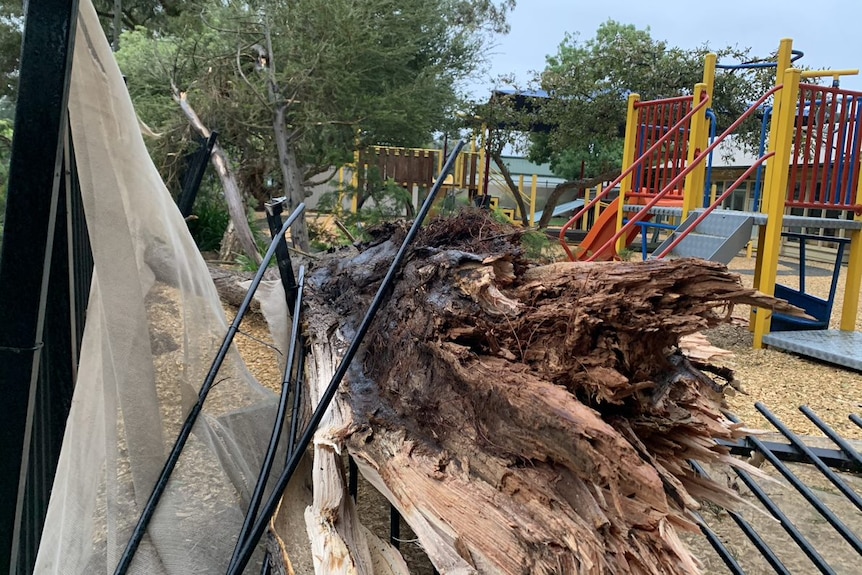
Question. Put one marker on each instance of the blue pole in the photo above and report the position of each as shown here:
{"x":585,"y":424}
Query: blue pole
{"x":713,"y":122}
{"x":758,"y":182}
{"x":854,"y":157}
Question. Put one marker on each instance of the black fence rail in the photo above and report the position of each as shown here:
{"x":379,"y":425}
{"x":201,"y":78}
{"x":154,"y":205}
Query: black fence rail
{"x":838,"y":466}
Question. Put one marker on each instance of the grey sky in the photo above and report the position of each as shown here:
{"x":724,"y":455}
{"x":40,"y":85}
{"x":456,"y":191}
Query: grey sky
{"x":828,"y":31}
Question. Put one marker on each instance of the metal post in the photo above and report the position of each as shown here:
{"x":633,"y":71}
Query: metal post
{"x":632,"y":131}
{"x":195,"y":170}
{"x":33,"y":191}
{"x":282,"y":254}
{"x":780,"y":143}
{"x":698,"y":140}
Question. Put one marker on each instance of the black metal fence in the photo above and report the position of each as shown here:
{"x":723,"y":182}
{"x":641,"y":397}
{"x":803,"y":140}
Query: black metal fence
{"x":836,"y":464}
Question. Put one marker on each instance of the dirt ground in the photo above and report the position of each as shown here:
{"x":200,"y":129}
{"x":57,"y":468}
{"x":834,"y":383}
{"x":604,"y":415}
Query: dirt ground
{"x":780,"y":380}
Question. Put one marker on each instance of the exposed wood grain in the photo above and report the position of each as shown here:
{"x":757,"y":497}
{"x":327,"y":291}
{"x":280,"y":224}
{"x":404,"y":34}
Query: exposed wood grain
{"x":525,"y":419}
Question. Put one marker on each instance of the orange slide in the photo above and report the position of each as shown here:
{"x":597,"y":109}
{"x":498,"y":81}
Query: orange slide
{"x":601,"y":232}
{"x":606,"y":226}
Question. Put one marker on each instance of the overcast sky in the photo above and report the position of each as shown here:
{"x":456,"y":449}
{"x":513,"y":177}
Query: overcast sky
{"x":829,"y":32}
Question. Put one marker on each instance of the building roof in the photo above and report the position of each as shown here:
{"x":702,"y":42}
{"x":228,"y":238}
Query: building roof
{"x":519,"y":166}
{"x":524,"y":93}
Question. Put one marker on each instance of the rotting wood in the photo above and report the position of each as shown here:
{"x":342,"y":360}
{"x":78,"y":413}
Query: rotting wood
{"x":523,"y":419}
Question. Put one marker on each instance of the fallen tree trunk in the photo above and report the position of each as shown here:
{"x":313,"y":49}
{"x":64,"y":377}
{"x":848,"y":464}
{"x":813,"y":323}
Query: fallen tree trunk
{"x":522,"y":419}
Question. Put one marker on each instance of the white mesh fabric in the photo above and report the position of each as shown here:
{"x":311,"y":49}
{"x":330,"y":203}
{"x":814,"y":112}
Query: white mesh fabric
{"x":154,"y":324}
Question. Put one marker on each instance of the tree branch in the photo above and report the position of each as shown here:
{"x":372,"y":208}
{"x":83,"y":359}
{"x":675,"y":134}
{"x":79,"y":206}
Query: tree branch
{"x":513,"y":189}
{"x":219,"y":159}
{"x":560,"y":189}
{"x":257,"y":94}
{"x":317,"y":170}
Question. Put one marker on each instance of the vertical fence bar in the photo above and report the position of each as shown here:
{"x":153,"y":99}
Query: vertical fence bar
{"x":798,"y":146}
{"x":664,"y":113}
{"x":820,"y":166}
{"x":840,"y":153}
{"x":857,"y":152}
{"x":649,"y":165}
{"x":853,"y":161}
{"x":30,"y":220}
{"x":827,"y":168}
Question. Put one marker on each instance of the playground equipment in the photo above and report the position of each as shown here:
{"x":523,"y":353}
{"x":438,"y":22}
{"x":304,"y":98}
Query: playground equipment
{"x":809,"y":163}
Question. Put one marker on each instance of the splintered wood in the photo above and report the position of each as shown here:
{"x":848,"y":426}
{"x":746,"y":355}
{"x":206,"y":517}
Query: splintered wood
{"x":522,"y":418}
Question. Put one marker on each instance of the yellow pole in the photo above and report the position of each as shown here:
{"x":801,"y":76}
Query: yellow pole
{"x":709,"y":65}
{"x":785,"y":54}
{"x":597,"y":209}
{"x":834,"y":74}
{"x":534,"y":191}
{"x":629,"y":147}
{"x":775,"y":194}
{"x":354,"y":204}
{"x":456,"y":173}
{"x":340,"y":205}
{"x":582,"y":225}
{"x":853,"y":284}
{"x":698,"y":141}
{"x":481,"y":166}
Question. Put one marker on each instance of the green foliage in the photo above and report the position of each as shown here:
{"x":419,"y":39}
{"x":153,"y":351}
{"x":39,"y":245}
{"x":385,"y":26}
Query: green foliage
{"x":537,"y":246}
{"x":342,"y":73}
{"x":498,"y":216}
{"x":380,"y":201}
{"x":590,"y":81}
{"x":246,"y":264}
{"x":628,"y":254}
{"x":11,"y":34}
{"x":210,"y":222}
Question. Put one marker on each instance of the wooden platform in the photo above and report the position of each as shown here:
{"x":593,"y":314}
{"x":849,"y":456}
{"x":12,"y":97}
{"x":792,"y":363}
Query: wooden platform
{"x":842,"y":348}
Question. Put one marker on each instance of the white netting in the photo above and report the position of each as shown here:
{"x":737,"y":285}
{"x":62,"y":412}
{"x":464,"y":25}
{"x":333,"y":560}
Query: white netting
{"x":154,"y":324}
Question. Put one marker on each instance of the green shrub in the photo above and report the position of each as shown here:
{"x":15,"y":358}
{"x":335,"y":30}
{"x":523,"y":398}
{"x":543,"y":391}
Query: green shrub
{"x":209,"y":223}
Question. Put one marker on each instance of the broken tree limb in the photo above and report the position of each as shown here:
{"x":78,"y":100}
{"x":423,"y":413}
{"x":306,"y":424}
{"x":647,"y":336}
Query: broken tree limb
{"x":522,"y":419}
{"x":235,"y":204}
{"x":229,"y":285}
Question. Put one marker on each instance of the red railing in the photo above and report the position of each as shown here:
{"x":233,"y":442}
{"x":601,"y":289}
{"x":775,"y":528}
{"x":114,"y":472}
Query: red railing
{"x":824,"y":169}
{"x":635,"y":165}
{"x":681,"y":176}
{"x":670,"y":158}
{"x":717,"y":202}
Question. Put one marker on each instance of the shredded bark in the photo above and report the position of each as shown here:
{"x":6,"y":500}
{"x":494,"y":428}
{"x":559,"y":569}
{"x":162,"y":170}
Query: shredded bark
{"x":532,"y":419}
